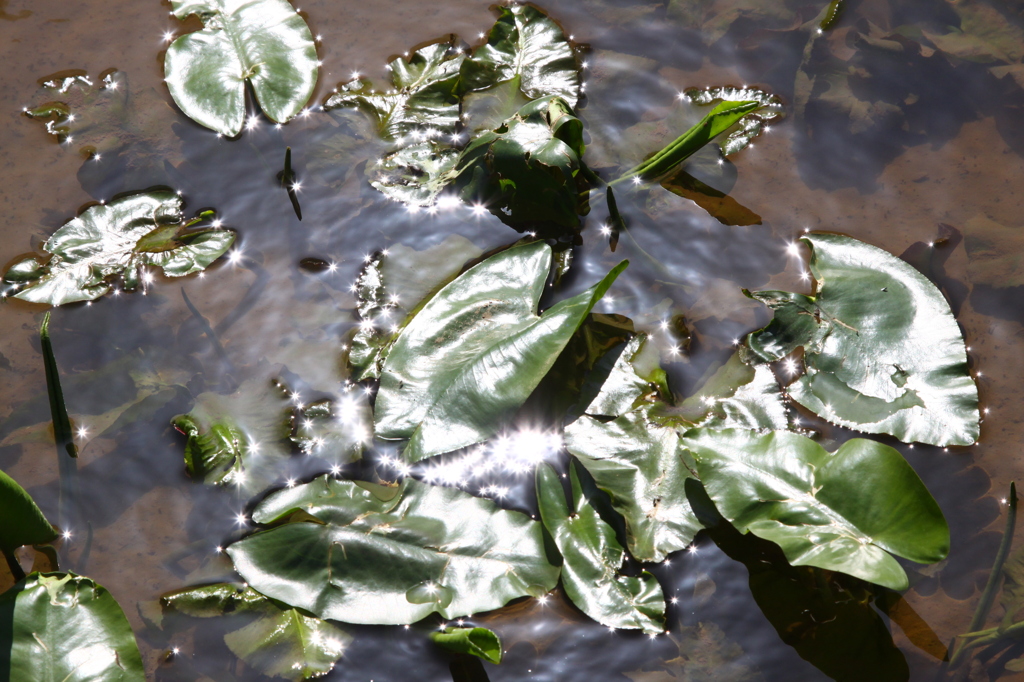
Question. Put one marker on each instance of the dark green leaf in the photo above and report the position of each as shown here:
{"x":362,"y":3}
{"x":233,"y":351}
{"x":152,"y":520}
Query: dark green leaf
{"x":264,"y":42}
{"x":23,"y":522}
{"x":479,"y":642}
{"x":237,"y":439}
{"x":474,"y":353}
{"x":277,"y":641}
{"x":527,"y":45}
{"x":365,"y":553}
{"x":881,"y":349}
{"x":61,"y":627}
{"x":591,"y":559}
{"x":117,"y":239}
{"x":843,"y":511}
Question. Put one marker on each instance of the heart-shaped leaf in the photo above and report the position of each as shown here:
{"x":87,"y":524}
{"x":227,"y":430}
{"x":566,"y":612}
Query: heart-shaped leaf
{"x":264,"y":42}
{"x":23,"y":521}
{"x":365,"y":553}
{"x":62,"y":627}
{"x":843,"y":511}
{"x":592,"y":557}
{"x":474,"y":353}
{"x":479,"y":642}
{"x":117,"y":239}
{"x":882,"y":351}
{"x":277,"y":641}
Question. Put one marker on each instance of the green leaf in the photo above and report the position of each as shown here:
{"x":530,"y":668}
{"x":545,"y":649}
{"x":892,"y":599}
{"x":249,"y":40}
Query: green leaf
{"x":418,"y":114}
{"x":843,"y":511}
{"x":474,"y":353}
{"x":768,"y":110}
{"x":61,"y":627}
{"x":277,"y":641}
{"x":366,"y":553}
{"x":24,"y":523}
{"x":525,"y":44}
{"x":479,"y":642}
{"x":592,"y":558}
{"x":264,"y":42}
{"x":117,"y":240}
{"x":881,"y":349}
{"x":237,"y":439}
{"x":525,"y":171}
{"x":737,"y":395}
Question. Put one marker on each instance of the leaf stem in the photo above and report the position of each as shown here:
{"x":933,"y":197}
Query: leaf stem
{"x":67,"y":453}
{"x":12,"y":563}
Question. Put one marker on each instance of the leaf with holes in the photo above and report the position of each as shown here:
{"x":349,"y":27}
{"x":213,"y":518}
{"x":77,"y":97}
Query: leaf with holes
{"x":364,"y":553}
{"x":263,"y":42}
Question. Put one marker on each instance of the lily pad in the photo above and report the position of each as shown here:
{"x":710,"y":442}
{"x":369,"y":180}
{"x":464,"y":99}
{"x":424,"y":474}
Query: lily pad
{"x":119,"y":239}
{"x":592,"y":557}
{"x":881,"y":349}
{"x":365,"y":553}
{"x":843,"y":511}
{"x":525,"y":45}
{"x":24,"y":523}
{"x":264,"y":42}
{"x":479,"y":642}
{"x":278,"y":641}
{"x":525,"y":172}
{"x":474,"y":353}
{"x":237,"y":439}
{"x":61,"y":626}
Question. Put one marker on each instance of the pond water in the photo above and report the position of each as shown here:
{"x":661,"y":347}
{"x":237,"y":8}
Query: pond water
{"x":912,"y":150}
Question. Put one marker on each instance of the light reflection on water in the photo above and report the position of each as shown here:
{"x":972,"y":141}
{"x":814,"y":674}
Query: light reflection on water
{"x":154,"y":530}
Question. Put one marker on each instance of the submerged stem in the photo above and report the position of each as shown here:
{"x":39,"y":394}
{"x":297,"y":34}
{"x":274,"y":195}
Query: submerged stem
{"x":67,"y":452}
{"x":12,"y":563}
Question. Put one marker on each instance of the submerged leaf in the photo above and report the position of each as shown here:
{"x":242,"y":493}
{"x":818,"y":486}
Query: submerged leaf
{"x":592,"y":558}
{"x":277,"y":641}
{"x":365,"y":553}
{"x":474,"y":353}
{"x":237,"y":439}
{"x":525,"y":45}
{"x":881,"y":349}
{"x":61,"y":626}
{"x":479,"y":642}
{"x":843,"y":511}
{"x":335,"y":430}
{"x":117,"y":239}
{"x":23,"y":521}
{"x":263,"y":42}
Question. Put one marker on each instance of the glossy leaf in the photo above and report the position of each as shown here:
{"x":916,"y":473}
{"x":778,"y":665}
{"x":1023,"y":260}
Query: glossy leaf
{"x":881,"y":349}
{"x":418,"y":114}
{"x":237,"y":439}
{"x":525,"y":171}
{"x":479,"y":642}
{"x":277,"y":641}
{"x":591,"y":559}
{"x":114,"y":240}
{"x":527,"y":45}
{"x":263,"y":42}
{"x":365,"y":553}
{"x":473,"y":354}
{"x":843,"y":511}
{"x":23,"y":521}
{"x":737,"y":396}
{"x":61,"y":627}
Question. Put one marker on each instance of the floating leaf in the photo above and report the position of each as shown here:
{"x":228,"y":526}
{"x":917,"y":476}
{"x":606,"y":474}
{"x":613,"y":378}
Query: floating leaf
{"x":525,"y":172}
{"x":365,"y":553}
{"x":416,"y":114}
{"x":24,"y":523}
{"x":843,"y":511}
{"x":63,"y":627}
{"x":117,"y":239}
{"x":527,"y":45}
{"x":768,"y":110}
{"x":474,"y":353}
{"x":277,"y":641}
{"x":237,"y":439}
{"x":737,"y":396}
{"x":592,"y":558}
{"x":336,"y":430}
{"x":265,"y":43}
{"x":479,"y":642}
{"x":882,"y":351}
